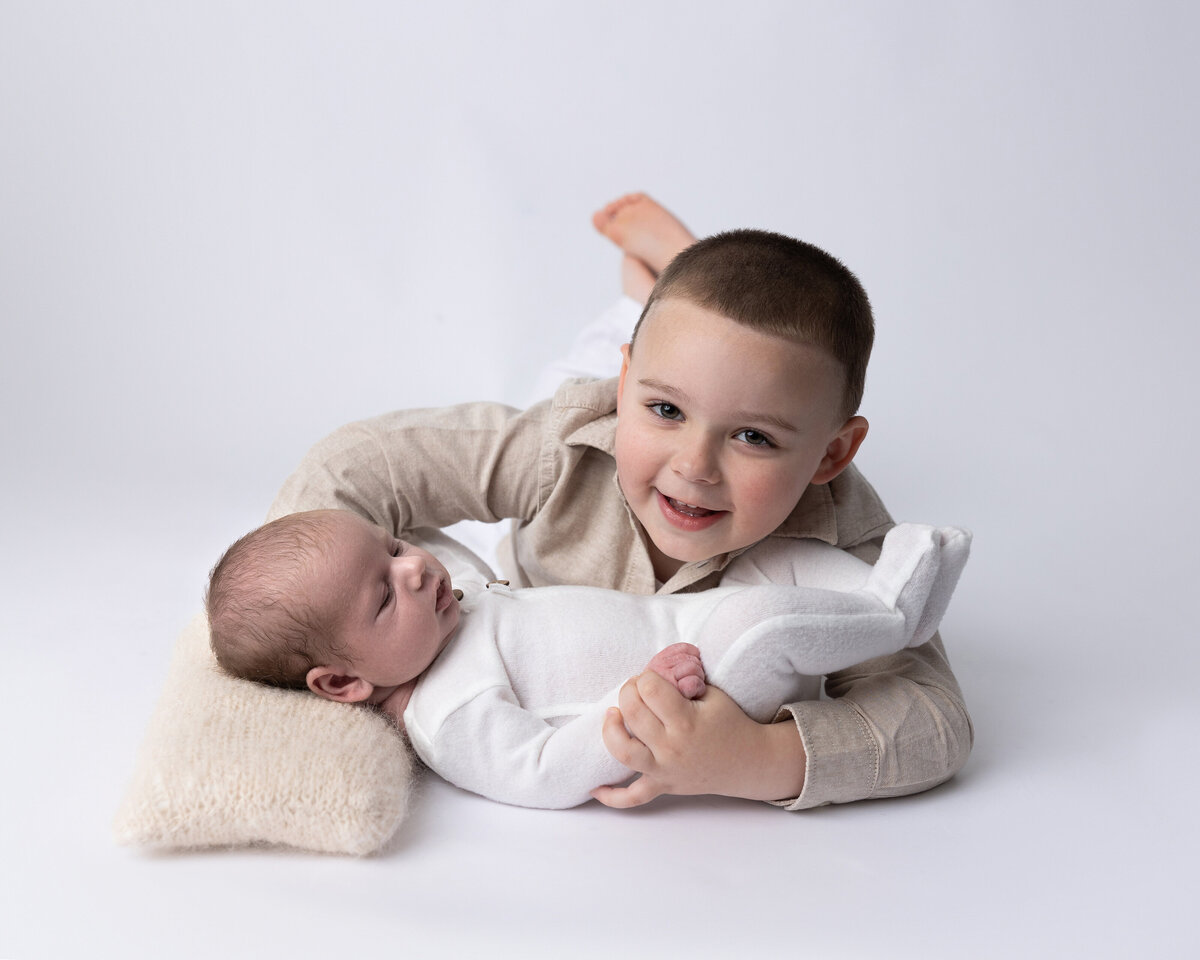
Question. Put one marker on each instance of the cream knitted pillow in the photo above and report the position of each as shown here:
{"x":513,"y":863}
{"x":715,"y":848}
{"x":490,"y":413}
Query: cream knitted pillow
{"x":228,"y":762}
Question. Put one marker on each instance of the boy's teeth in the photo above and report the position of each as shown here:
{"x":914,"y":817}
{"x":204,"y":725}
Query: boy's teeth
{"x":689,"y":508}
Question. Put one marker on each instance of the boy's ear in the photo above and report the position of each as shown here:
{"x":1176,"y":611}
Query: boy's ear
{"x":841,"y":449}
{"x":624,"y":370}
{"x":328,"y":683}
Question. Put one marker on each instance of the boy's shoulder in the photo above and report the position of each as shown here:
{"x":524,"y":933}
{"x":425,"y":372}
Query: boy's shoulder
{"x":587,"y":395}
{"x":584,"y":413}
{"x":845,"y":512}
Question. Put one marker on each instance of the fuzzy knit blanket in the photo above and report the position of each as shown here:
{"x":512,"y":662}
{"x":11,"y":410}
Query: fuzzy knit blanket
{"x":228,"y":762}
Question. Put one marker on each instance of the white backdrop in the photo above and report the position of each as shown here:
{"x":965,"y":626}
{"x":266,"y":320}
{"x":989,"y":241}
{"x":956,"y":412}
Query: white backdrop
{"x":226,"y":228}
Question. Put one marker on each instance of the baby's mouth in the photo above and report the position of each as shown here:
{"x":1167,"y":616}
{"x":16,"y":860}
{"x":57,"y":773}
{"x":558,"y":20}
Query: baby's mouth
{"x":444,"y":596}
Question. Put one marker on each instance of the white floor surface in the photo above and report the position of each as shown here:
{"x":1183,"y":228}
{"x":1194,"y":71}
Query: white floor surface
{"x":226,"y":228}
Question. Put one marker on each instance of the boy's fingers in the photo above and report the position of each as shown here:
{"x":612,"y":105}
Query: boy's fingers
{"x":624,"y":748}
{"x":661,"y":699}
{"x":641,"y":720}
{"x":622,"y":798}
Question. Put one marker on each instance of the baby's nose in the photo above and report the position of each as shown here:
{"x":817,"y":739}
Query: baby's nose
{"x":413,"y":568}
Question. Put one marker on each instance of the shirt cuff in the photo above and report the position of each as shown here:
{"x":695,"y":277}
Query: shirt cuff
{"x":842,"y":758}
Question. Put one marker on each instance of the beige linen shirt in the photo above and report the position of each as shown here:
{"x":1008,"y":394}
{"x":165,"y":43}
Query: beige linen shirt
{"x":890,"y":726}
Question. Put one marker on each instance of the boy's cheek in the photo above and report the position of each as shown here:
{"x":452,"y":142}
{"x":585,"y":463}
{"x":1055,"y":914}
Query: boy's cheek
{"x":765,"y":501}
{"x":636,"y":460}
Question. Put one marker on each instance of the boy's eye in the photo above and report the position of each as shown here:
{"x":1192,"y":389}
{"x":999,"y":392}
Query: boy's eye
{"x":754,"y":438}
{"x":668,"y":411}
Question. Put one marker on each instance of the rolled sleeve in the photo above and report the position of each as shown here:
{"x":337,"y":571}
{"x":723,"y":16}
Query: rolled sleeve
{"x":893,"y":726}
{"x":842,"y":761}
{"x":890,"y":726}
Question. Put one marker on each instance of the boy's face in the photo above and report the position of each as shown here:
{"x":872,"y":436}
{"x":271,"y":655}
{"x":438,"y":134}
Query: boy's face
{"x":720,"y":431}
{"x":392,"y":601}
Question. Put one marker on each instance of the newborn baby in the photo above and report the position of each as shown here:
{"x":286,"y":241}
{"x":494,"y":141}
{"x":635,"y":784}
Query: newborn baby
{"x":503,"y":692}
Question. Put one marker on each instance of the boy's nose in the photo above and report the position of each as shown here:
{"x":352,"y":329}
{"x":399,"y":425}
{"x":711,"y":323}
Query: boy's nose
{"x":695,"y":460}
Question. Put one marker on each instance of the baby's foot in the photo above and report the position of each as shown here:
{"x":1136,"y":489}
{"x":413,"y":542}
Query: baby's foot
{"x":644,"y":229}
{"x":916,"y":573}
{"x":680,"y":663}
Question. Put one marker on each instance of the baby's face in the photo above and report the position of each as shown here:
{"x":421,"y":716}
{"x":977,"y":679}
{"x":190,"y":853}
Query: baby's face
{"x":392,"y":601}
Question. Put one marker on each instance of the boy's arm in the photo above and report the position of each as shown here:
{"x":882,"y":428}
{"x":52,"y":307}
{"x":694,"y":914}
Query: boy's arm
{"x":893,"y":725}
{"x":691,"y":747}
{"x":431,"y":468}
{"x":897,"y":725}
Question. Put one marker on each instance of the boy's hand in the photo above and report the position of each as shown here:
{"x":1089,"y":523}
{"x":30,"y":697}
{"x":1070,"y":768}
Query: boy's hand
{"x":690,"y":747}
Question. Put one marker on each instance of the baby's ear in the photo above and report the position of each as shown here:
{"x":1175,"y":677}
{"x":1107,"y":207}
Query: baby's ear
{"x":328,"y":683}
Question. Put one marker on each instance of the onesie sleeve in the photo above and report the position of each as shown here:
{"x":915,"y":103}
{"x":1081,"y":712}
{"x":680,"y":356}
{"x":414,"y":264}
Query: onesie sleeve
{"x":425,"y":468}
{"x":493,"y":746}
{"x":893,"y":725}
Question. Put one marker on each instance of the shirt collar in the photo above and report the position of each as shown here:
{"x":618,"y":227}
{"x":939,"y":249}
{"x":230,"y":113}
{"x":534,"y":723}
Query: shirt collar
{"x":600,"y":433}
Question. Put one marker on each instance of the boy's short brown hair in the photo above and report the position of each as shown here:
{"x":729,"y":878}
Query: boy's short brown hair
{"x":260,"y":626}
{"x":779,"y":286}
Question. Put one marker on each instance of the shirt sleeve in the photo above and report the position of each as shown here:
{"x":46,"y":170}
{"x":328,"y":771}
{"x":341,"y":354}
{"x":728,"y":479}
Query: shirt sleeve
{"x":893,"y":725}
{"x":425,"y":468}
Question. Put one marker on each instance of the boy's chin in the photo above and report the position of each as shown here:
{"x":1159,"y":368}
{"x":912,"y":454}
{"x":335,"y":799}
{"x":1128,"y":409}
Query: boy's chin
{"x":678,"y":554}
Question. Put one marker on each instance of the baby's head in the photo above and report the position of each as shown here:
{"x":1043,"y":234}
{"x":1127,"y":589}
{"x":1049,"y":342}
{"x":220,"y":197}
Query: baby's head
{"x":329,"y":601}
{"x":740,"y":388}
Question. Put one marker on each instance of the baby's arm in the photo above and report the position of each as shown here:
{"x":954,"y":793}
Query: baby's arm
{"x":680,"y":664}
{"x":493,"y":746}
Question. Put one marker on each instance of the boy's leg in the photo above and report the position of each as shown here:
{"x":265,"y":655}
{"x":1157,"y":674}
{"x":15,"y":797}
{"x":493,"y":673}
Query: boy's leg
{"x":637,"y":282}
{"x":649,"y":235}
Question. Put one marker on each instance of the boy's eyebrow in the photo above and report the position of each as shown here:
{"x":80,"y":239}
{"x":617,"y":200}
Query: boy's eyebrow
{"x":744,"y":416}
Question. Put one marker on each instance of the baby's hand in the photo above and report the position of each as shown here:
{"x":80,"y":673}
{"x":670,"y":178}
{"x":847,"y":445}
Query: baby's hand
{"x":680,"y":664}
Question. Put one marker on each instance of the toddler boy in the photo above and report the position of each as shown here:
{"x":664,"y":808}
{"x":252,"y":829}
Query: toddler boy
{"x":729,"y":434}
{"x":512,"y":708}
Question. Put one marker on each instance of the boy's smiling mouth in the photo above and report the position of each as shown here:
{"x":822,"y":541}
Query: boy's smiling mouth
{"x":687,"y":516}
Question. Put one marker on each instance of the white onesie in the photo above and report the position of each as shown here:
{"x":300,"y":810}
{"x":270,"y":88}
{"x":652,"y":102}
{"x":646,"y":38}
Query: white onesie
{"x":512,"y":708}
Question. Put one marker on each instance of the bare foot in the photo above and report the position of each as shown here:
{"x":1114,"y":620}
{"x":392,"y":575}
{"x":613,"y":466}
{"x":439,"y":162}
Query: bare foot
{"x":680,"y":663}
{"x":644,"y":229}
